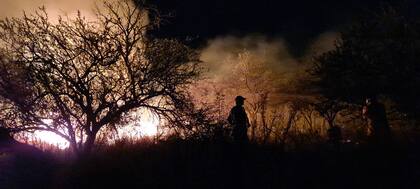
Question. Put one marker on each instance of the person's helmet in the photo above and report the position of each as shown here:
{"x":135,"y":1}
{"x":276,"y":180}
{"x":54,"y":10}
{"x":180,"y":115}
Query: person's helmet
{"x":241,"y":98}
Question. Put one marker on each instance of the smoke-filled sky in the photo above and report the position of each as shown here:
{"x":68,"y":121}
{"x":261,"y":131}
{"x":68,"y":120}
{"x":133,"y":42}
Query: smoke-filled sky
{"x":220,"y":55}
{"x":13,"y":8}
{"x":298,"y":22}
{"x":272,"y":52}
{"x":292,"y":29}
{"x":269,"y":29}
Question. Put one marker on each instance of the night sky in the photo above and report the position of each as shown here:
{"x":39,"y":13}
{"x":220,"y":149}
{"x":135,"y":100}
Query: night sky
{"x":297,"y":21}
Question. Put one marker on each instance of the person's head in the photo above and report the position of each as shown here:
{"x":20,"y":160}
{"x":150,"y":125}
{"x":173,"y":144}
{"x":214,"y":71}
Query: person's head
{"x":370,"y":99}
{"x":239,"y":100}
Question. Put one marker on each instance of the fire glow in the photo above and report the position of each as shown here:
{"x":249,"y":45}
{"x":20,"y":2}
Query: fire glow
{"x":146,"y":125}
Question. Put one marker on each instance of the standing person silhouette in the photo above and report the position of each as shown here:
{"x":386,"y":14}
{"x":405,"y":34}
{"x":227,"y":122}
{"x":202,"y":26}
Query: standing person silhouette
{"x":239,"y":121}
{"x":375,"y":114}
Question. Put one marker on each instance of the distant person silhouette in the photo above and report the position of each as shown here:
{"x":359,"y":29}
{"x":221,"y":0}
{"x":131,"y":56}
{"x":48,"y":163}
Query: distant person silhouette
{"x":375,"y":114}
{"x":239,"y":121}
{"x":334,"y":135}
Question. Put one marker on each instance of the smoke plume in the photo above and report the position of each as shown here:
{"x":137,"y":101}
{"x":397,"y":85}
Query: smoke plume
{"x":256,"y":64}
{"x":221,"y":54}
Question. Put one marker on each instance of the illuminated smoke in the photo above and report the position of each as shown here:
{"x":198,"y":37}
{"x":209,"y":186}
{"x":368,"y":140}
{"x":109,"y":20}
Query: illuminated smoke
{"x":273,"y":52}
{"x":325,"y":42}
{"x":222,"y":57}
{"x":15,"y":8}
{"x":54,"y":8}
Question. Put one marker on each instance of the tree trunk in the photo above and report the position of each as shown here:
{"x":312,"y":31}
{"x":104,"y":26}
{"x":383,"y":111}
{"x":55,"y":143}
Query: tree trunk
{"x":330,"y":123}
{"x":89,"y":143}
{"x":75,"y":147}
{"x":253,"y":128}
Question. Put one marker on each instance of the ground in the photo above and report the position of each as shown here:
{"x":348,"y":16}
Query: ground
{"x":187,"y":164}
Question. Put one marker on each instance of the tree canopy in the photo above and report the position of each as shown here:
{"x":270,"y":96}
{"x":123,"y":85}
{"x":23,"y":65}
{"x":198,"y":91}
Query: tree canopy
{"x":377,"y":55}
{"x":77,"y":76}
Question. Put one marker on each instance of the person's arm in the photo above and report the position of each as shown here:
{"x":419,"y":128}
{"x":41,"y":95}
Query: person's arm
{"x":231,"y":117}
{"x":364,"y":112}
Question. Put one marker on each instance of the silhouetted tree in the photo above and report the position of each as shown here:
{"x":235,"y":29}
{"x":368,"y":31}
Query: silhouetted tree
{"x":329,"y":110}
{"x":378,"y":55}
{"x":253,"y":78}
{"x":77,"y":76}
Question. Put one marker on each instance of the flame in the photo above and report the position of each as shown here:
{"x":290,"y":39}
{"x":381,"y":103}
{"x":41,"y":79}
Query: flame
{"x":145,"y":124}
{"x":51,"y":138}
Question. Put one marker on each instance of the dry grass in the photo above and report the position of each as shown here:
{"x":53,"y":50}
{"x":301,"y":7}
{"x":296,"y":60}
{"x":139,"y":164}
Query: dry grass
{"x":192,"y":164}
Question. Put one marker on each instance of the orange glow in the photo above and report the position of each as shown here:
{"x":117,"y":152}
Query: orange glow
{"x":51,"y":138}
{"x":146,"y":126}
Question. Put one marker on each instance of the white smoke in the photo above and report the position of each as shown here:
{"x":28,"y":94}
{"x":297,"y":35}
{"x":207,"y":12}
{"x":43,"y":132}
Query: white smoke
{"x":323,"y":43}
{"x":272,"y":52}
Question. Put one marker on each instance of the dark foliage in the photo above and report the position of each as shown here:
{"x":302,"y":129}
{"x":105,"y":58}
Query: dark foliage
{"x":190,"y":164}
{"x":378,"y":55}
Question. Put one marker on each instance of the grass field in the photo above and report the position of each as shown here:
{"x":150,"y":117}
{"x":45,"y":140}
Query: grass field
{"x":189,"y":164}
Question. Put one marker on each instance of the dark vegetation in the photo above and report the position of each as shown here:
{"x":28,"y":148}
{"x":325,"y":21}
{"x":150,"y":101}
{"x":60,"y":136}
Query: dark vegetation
{"x":376,"y":55}
{"x":192,"y":164}
{"x":86,"y":80}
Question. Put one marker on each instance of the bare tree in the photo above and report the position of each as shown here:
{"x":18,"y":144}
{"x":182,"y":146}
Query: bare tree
{"x":253,"y":78}
{"x":77,"y":76}
{"x":329,"y":110}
